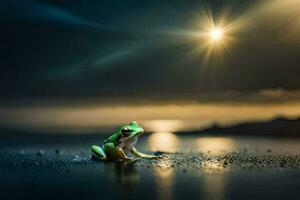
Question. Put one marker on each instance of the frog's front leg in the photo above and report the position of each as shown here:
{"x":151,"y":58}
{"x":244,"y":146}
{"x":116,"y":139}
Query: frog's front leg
{"x":115,"y":152}
{"x":98,"y":153}
{"x":122,"y":155}
{"x":142,"y":155}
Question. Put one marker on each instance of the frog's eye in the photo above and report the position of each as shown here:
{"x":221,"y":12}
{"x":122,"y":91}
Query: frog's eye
{"x":125,"y":131}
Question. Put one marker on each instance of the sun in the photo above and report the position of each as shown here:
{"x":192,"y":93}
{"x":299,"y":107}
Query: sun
{"x":216,"y":34}
{"x":213,"y":35}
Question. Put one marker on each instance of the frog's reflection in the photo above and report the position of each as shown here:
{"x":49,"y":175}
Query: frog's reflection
{"x":126,"y":174}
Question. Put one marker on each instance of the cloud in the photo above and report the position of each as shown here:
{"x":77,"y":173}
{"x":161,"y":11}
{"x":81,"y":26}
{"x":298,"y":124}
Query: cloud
{"x":40,"y":11}
{"x":281,"y":17}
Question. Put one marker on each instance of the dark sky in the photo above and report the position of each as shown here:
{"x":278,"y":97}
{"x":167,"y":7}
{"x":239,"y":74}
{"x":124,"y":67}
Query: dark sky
{"x":127,"y":47}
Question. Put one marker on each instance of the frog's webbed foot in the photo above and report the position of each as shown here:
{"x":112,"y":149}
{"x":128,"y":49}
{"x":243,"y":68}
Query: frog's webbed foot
{"x":98,"y":153}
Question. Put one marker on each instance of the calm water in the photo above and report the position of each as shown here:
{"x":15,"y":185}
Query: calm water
{"x":26,"y":175}
{"x":165,"y":141}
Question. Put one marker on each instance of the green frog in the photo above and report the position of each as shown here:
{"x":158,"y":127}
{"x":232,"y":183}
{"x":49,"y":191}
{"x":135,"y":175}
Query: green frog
{"x":120,"y":144}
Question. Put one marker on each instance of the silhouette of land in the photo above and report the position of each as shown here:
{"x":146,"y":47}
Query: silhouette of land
{"x":277,"y":127}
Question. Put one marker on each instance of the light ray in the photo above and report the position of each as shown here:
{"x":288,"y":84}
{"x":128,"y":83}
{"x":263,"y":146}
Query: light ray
{"x":213,"y":36}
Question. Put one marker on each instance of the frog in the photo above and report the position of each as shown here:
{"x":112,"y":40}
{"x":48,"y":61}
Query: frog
{"x":120,"y":144}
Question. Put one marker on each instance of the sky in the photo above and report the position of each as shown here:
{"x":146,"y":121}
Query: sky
{"x":144,"y":52}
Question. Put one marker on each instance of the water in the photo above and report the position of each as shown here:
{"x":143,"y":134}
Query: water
{"x":71,"y":174}
{"x":165,"y":141}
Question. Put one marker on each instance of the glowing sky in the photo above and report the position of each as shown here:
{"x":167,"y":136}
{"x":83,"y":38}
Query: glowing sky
{"x":211,"y":52}
{"x":63,"y":48}
{"x":167,"y":117}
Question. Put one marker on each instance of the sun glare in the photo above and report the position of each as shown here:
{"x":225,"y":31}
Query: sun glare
{"x":216,"y":34}
{"x":213,"y":35}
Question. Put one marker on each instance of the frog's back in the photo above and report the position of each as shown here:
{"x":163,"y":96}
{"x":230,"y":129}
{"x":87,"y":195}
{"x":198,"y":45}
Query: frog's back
{"x":114,"y":138}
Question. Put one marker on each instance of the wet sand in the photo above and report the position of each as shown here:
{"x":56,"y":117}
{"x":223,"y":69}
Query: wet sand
{"x":38,"y":167}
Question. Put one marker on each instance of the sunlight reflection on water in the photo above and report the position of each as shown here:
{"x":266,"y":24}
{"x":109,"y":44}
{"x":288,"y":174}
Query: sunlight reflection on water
{"x":213,"y":178}
{"x":163,"y":141}
{"x":216,"y":145}
{"x":164,"y":179}
{"x":164,"y":182}
{"x":214,"y":186}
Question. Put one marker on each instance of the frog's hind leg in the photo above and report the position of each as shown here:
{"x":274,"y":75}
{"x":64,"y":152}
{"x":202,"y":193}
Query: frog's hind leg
{"x":98,"y":153}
